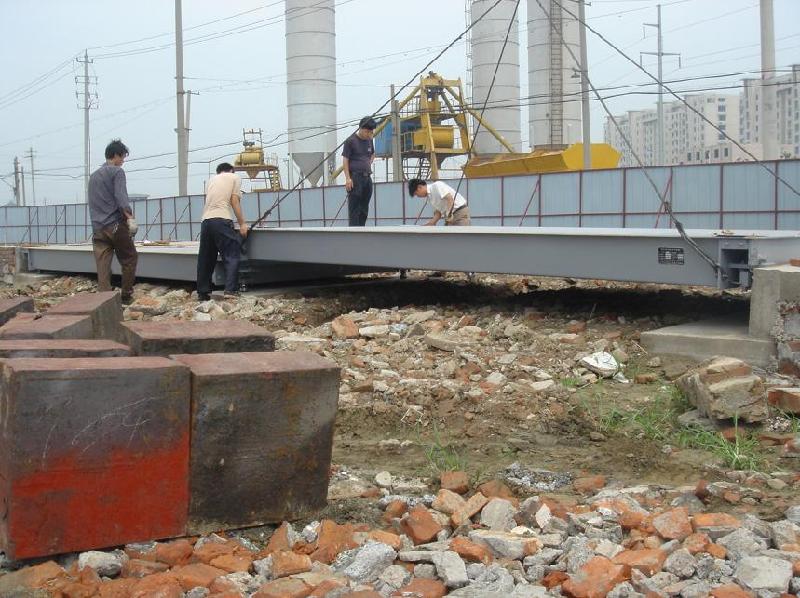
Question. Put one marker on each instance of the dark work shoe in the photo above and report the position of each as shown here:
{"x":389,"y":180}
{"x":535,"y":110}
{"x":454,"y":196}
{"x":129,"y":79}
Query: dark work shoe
{"x":127,"y":299}
{"x":203,"y":296}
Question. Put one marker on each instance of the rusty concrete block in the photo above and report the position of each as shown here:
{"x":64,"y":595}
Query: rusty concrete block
{"x":179,"y":337}
{"x":262,"y":435}
{"x":62,"y":348}
{"x":26,"y":325}
{"x":11,"y":307}
{"x":105,"y":310}
{"x":94,"y":452}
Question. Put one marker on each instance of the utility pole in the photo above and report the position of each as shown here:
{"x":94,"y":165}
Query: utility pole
{"x":587,"y":131}
{"x":188,"y":127}
{"x":22,"y":180}
{"x":183,"y":153}
{"x":30,"y":155}
{"x":17,"y":189}
{"x":89,"y":102}
{"x":660,"y":54}
{"x":769,"y":114}
{"x":397,"y":158}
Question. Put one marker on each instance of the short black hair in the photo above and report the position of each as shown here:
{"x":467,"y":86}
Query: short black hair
{"x":414,"y":183}
{"x":367,"y":123}
{"x":116,"y":148}
{"x":224,"y":167}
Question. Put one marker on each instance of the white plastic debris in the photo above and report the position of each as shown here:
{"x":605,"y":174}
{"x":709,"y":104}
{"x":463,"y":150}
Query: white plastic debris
{"x":601,"y":363}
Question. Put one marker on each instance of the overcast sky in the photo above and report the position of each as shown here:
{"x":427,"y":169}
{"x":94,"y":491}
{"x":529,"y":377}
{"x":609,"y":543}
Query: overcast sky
{"x":237,"y":63}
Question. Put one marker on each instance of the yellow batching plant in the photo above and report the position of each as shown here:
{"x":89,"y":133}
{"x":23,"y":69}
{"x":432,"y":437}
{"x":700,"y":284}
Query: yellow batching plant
{"x":259,"y":167}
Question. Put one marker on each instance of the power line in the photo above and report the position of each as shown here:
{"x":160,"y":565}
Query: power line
{"x":382,"y":107}
{"x":245,"y":28}
{"x":489,"y":91}
{"x":662,"y":196}
{"x":702,"y":116}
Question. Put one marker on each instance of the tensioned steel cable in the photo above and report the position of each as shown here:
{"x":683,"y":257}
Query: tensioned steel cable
{"x":662,"y":197}
{"x":278,"y":201}
{"x":702,"y":116}
{"x":488,"y":93}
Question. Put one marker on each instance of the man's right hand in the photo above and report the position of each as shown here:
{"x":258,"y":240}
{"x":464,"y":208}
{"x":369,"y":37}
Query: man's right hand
{"x":348,"y":184}
{"x":243,"y":230}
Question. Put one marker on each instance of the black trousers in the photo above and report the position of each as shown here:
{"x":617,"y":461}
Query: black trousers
{"x":218,"y":237}
{"x":358,"y":198}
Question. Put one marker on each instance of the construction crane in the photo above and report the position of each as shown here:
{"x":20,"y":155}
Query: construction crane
{"x":253,"y":161}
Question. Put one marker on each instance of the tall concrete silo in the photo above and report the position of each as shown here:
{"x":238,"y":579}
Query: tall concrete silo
{"x":311,"y":83}
{"x":553,"y":75}
{"x":487,"y":39}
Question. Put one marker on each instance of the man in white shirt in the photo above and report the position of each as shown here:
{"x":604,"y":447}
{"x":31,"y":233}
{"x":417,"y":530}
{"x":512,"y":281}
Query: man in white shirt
{"x":444,"y":200}
{"x":217,"y":235}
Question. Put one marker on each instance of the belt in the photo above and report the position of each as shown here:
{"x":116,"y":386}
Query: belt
{"x":459,"y":208}
{"x":361,"y":174}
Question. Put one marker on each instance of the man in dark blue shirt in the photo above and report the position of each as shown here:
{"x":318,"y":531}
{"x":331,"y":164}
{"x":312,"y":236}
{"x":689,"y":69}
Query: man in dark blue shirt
{"x":358,"y":154}
{"x":113,"y":225}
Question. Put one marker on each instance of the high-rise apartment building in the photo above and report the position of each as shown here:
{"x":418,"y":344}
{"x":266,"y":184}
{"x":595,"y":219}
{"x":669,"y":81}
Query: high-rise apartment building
{"x":788,"y":106}
{"x":693,"y":135}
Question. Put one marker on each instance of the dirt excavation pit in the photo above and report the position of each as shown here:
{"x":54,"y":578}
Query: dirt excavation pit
{"x":530,"y":391}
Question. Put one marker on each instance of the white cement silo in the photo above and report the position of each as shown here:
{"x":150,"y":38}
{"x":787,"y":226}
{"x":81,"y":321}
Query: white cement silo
{"x":502,"y":111}
{"x":311,"y":83}
{"x":555,"y":110}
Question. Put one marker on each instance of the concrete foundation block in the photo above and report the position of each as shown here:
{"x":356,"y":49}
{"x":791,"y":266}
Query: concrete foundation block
{"x":706,"y":339}
{"x":94,"y":453}
{"x":25,"y":325}
{"x":770,"y":286}
{"x":11,"y":307}
{"x":179,"y":337}
{"x":105,"y":310}
{"x":62,"y":348}
{"x":262,"y":435}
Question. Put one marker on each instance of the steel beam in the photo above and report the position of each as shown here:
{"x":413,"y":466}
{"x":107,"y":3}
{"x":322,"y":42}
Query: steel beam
{"x":631,"y":255}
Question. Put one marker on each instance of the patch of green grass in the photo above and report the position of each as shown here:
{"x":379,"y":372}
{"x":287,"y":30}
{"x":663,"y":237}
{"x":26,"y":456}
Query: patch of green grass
{"x":441,"y":456}
{"x":612,"y":420}
{"x":743,"y":453}
{"x":571,"y":382}
{"x":657,"y":420}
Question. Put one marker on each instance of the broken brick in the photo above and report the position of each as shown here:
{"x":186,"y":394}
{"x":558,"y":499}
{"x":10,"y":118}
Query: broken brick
{"x":470,"y":551}
{"x":455,"y":481}
{"x":196,"y":575}
{"x":138,"y":568}
{"x":423,"y":588}
{"x":785,"y":399}
{"x":232,"y":563}
{"x":595,"y":579}
{"x":286,"y":587}
{"x":285,"y":564}
{"x":589,"y":484}
{"x":673,"y":524}
{"x":474,"y":504}
{"x":648,"y":560}
{"x":715,"y":525}
{"x":730,"y":590}
{"x":420,"y":525}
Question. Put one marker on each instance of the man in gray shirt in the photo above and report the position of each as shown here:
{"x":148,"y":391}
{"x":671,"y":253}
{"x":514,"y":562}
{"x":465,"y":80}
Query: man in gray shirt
{"x":113,"y":225}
